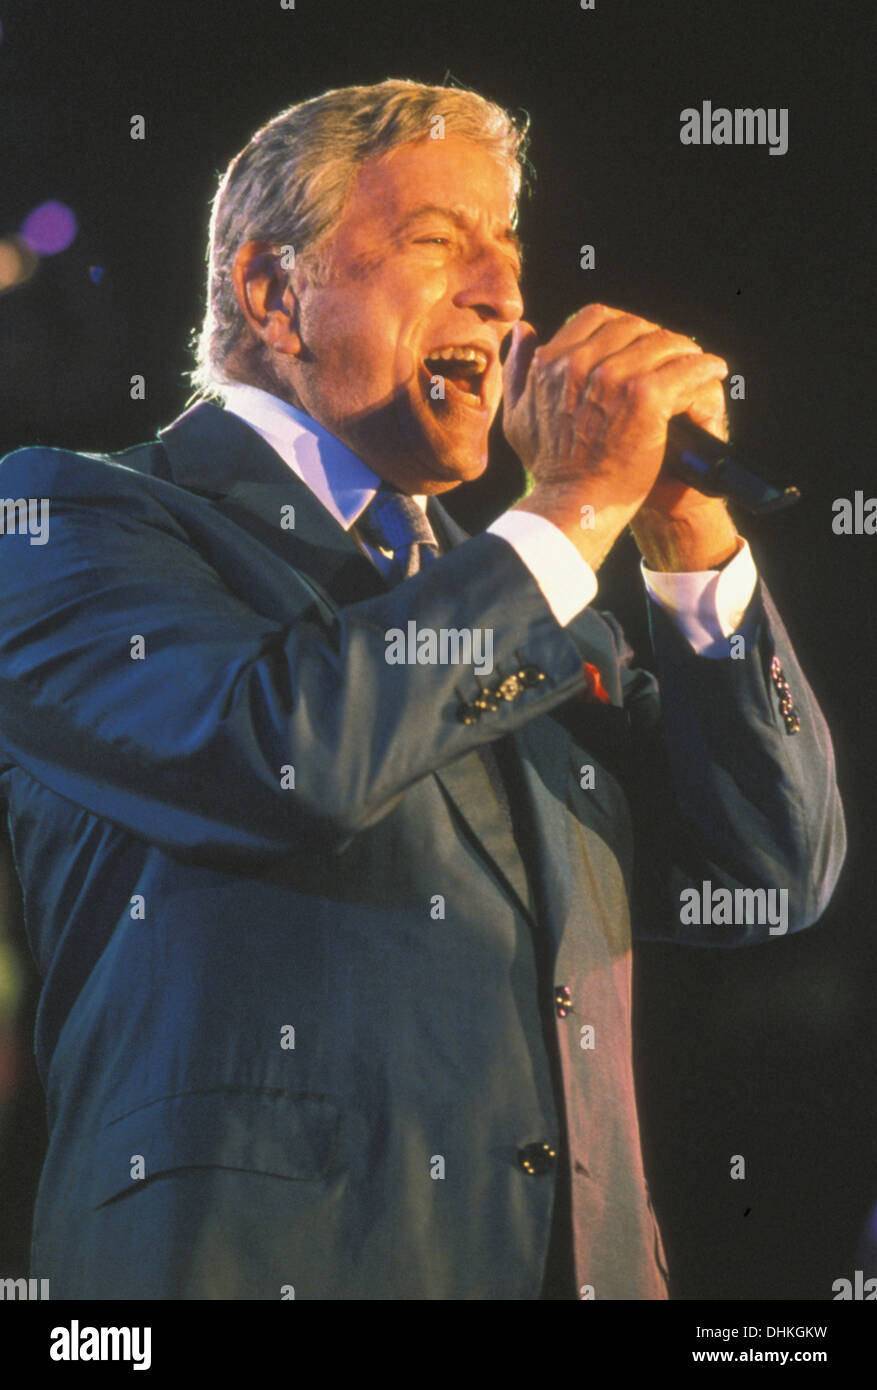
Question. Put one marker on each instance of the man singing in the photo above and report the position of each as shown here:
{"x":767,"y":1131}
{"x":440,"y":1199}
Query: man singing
{"x":336,"y":946}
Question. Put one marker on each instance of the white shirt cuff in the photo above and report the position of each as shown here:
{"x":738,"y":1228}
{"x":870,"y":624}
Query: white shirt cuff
{"x":567,"y":581}
{"x":708,"y":605}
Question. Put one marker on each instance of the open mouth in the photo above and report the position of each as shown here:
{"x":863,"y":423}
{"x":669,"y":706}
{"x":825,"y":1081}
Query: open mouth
{"x":463,"y":369}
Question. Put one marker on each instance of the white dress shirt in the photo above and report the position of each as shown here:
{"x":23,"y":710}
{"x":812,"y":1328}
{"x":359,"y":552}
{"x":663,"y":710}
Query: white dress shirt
{"x":708,"y":605}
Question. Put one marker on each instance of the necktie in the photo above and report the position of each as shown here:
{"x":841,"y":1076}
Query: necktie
{"x":394,"y":521}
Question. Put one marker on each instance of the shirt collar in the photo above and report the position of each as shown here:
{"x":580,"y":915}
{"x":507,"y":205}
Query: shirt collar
{"x":335,"y":474}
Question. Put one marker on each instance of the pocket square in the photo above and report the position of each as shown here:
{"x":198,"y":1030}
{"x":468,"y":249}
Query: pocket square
{"x":594,"y":690}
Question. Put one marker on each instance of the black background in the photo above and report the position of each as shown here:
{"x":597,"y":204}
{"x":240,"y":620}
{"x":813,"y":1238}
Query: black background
{"x":772,"y":1052}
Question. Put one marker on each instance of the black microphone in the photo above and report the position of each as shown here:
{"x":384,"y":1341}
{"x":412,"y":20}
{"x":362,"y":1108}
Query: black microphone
{"x":719,"y":469}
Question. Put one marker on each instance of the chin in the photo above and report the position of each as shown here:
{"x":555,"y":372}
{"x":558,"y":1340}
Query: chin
{"x":454,"y":466}
{"x":458,"y":456}
{"x":449,"y":444}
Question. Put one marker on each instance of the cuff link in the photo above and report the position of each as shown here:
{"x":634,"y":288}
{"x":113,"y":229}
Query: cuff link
{"x":562,"y":1001}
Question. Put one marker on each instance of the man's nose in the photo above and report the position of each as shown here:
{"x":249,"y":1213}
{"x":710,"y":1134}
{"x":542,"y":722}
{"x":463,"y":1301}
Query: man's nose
{"x":490,"y":286}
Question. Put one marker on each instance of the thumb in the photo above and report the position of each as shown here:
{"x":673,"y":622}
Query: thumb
{"x":517,"y":364}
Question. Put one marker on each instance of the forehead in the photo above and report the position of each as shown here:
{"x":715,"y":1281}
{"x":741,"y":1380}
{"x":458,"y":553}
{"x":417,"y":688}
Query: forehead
{"x":455,"y":174}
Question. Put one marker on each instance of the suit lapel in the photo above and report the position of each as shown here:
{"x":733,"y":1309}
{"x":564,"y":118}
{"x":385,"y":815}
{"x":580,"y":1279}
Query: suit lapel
{"x":466,"y":782}
{"x":536,"y":759}
{"x":214,"y":453}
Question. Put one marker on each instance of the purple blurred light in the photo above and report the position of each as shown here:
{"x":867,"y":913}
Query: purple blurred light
{"x":50,"y":228}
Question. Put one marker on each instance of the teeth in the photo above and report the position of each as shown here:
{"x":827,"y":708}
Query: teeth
{"x":460,"y":354}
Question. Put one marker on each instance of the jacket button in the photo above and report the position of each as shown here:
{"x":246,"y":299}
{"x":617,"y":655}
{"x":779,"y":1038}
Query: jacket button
{"x":536,"y":1159}
{"x":562,"y":1001}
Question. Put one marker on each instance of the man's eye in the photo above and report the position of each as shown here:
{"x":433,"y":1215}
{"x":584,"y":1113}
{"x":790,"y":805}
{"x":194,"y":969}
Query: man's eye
{"x":437,"y":240}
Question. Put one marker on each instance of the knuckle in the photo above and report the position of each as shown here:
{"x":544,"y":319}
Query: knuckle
{"x":604,"y":376}
{"x":679,"y":340}
{"x":600,"y":314}
{"x":638,"y":324}
{"x":584,"y":322}
{"x":707,"y":365}
{"x":644,"y":391}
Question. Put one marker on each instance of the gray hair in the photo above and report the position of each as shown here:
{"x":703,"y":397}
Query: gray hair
{"x":290,"y":183}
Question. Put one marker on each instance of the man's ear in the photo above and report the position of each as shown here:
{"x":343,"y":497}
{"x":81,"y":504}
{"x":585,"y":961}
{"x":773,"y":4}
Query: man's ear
{"x":265,"y":297}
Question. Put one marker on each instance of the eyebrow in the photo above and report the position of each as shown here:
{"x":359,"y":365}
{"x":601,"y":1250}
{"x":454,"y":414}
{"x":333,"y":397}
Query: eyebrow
{"x":459,"y":219}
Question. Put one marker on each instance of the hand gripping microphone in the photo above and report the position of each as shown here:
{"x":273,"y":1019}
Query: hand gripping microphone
{"x":719,"y":469}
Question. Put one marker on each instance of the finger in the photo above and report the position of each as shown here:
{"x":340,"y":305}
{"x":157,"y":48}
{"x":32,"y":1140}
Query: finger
{"x":580,"y":326}
{"x":625,"y":345}
{"x":517,"y":364}
{"x":609,"y":338}
{"x":679,"y":383}
{"x":633,"y":366}
{"x":709,"y":410}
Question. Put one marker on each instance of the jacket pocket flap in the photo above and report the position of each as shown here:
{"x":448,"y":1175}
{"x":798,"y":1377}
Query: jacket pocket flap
{"x":290,"y":1135}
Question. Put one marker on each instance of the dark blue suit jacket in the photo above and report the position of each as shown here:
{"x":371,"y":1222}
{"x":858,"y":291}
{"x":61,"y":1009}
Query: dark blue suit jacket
{"x":315,"y":1017}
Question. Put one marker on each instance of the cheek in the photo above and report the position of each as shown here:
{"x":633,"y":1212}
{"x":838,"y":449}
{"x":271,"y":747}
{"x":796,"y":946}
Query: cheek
{"x":375,"y":331}
{"x":341,"y":347}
